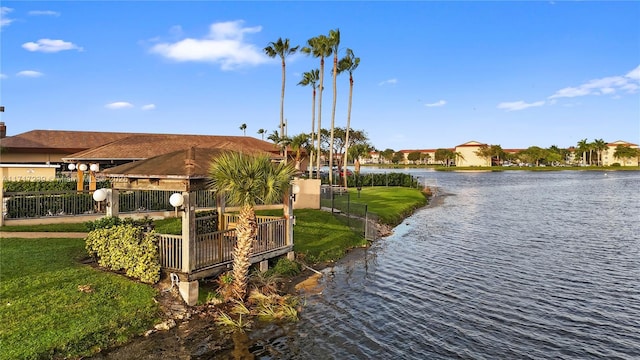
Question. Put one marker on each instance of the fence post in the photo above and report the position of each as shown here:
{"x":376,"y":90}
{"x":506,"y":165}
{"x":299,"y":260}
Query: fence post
{"x":188,"y":232}
{"x":113,"y":202}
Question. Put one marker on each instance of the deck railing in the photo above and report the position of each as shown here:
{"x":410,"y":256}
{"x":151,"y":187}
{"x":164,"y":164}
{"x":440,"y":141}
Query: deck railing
{"x":217,"y":247}
{"x":36,"y":204}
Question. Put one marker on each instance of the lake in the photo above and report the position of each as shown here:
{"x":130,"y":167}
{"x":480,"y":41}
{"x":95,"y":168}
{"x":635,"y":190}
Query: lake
{"x":502,"y":265}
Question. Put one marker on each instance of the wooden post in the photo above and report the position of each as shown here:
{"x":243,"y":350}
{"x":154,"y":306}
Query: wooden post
{"x":80,"y":185}
{"x":92,"y":181}
{"x":188,"y":232}
{"x":287,"y":210}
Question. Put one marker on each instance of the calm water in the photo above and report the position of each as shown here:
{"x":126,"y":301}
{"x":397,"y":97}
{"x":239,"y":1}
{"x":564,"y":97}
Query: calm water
{"x":512,"y":265}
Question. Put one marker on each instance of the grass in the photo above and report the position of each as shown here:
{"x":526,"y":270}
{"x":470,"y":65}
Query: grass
{"x":72,"y":227}
{"x":391,"y":204}
{"x":51,"y":305}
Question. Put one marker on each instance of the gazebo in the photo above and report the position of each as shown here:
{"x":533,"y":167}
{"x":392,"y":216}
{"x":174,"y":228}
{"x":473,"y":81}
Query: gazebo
{"x":201,"y":250}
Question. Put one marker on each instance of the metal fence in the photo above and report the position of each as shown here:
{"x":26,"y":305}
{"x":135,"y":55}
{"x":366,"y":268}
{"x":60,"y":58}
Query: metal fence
{"x":354,"y":214}
{"x":36,"y":204}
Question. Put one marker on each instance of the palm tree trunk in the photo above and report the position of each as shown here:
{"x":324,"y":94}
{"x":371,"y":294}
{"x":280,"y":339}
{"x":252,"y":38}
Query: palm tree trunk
{"x":333,"y":115}
{"x":246,"y":231}
{"x":313,"y":127}
{"x":346,"y":137}
{"x":320,"y":111}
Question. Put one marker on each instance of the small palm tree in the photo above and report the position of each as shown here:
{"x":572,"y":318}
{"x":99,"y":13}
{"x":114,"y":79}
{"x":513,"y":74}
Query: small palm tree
{"x":281,"y":48}
{"x":246,"y":180}
{"x":299,"y":143}
{"x":243,"y":127}
{"x":599,"y":146}
{"x":262,"y":132}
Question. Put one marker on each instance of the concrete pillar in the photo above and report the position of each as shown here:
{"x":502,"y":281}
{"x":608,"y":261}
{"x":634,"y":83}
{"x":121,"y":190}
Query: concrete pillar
{"x":288,"y":214}
{"x":188,"y":231}
{"x":189,"y":291}
{"x":113,"y":202}
{"x":291,"y":255}
{"x":263,"y":265}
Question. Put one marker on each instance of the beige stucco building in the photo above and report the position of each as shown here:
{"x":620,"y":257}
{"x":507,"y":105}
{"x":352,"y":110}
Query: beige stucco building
{"x":466,"y":155}
{"x":608,"y":157}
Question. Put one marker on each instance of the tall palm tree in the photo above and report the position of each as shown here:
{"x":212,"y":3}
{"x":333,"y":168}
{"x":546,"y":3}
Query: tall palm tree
{"x":246,"y":180}
{"x":281,"y":48}
{"x":243,"y":127}
{"x":310,"y":78}
{"x":349,"y":63}
{"x":262,"y":132}
{"x":334,"y":42}
{"x":319,"y":47}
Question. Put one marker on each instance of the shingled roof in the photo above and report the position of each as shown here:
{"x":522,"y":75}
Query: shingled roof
{"x":59,"y":141}
{"x":145,"y":146}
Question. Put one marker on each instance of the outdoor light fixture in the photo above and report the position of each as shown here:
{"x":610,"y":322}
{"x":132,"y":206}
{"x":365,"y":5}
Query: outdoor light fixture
{"x":82,"y":167}
{"x":100,"y":195}
{"x":94,"y":167}
{"x":295,"y":190}
{"x":176,"y":200}
{"x":71,"y":167}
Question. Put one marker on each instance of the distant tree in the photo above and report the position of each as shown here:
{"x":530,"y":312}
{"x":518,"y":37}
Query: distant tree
{"x":583,"y":147}
{"x":387,"y":154}
{"x":282,"y":142}
{"x":414,"y":156}
{"x":243,"y":127}
{"x":599,"y":146}
{"x":533,"y":154}
{"x":281,"y":48}
{"x":262,"y":132}
{"x":298,"y":143}
{"x":444,"y":156}
{"x":397,"y":157}
{"x":484,"y":151}
{"x":626,"y":152}
{"x":424,"y":157}
{"x":358,"y":151}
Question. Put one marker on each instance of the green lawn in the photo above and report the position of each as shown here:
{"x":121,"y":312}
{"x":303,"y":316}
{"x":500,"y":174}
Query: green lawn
{"x":391,"y":204}
{"x":44,"y":313}
{"x":73,"y":227}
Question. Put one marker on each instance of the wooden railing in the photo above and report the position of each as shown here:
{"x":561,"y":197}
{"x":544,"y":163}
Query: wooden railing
{"x":170,"y":247}
{"x":215,"y":248}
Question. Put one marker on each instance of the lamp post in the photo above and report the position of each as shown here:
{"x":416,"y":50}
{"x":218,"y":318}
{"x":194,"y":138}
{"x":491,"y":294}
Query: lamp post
{"x":81,"y":170}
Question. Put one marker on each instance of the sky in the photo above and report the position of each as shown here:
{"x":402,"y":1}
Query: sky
{"x":432,"y":74}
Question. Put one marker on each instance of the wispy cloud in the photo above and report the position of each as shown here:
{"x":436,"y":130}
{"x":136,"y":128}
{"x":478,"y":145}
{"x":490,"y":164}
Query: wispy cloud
{"x":50,"y":46}
{"x":604,"y":86}
{"x":119,"y":105}
{"x":43,"y":13}
{"x":435,"y":104}
{"x":388,"y":82}
{"x":4,"y":20}
{"x":29,"y":73}
{"x":148,"y":107}
{"x":518,"y":105}
{"x":3,"y":76}
{"x":225,"y":44}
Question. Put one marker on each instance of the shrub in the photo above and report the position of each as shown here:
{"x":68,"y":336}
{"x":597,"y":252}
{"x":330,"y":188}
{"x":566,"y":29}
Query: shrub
{"x":126,"y":247}
{"x":285,"y":267}
{"x":110,"y":221}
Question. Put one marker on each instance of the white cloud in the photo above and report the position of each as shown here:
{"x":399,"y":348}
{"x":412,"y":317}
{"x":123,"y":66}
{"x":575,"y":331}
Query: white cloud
{"x":602,"y":86}
{"x":224,"y":45}
{"x":43,"y":12}
{"x":119,"y":105}
{"x":439,"y":103}
{"x":388,"y":82}
{"x":518,"y":105}
{"x":149,"y":107}
{"x":4,"y":20}
{"x":3,"y":76}
{"x":634,"y":74}
{"x":50,"y":46}
{"x":29,"y":73}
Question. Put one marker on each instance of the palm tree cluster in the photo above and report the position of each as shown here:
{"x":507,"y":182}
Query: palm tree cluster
{"x":586,"y":149}
{"x":320,"y":47}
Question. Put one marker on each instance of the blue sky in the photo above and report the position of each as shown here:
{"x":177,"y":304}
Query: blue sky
{"x":432,"y":74}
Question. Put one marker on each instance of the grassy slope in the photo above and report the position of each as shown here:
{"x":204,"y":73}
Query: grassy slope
{"x":44,"y":313}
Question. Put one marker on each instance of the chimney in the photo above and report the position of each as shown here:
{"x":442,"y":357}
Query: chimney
{"x":3,"y":130}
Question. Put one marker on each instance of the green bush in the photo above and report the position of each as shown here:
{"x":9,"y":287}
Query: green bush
{"x":615,"y":165}
{"x":126,"y":247}
{"x":110,"y":221}
{"x":284,"y":267}
{"x":59,"y":184}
